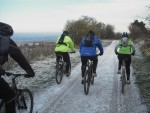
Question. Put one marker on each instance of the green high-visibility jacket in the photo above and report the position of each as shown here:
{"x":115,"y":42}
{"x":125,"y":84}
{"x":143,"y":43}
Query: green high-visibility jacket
{"x":125,"y":49}
{"x":129,"y":49}
{"x":64,"y":48}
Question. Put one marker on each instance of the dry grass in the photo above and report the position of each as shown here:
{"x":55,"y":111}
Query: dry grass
{"x":33,"y":52}
{"x":142,"y":73}
{"x":141,"y":66}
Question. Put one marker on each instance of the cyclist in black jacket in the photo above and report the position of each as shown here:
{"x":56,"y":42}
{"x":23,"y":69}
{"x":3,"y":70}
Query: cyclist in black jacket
{"x":14,"y":52}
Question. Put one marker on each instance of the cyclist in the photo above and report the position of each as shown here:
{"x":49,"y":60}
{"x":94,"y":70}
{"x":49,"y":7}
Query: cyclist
{"x":6,"y":92}
{"x":63,"y":44}
{"x":124,"y":49}
{"x":88,"y":51}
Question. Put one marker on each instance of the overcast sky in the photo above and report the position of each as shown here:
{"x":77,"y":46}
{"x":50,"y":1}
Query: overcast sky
{"x":52,"y":15}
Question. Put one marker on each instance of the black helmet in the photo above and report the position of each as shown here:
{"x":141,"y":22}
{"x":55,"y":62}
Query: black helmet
{"x":124,"y":34}
{"x":5,"y":29}
{"x":66,"y":33}
{"x":91,"y":33}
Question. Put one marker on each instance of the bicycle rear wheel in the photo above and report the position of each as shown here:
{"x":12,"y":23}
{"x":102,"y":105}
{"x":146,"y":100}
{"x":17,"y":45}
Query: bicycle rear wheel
{"x":59,"y":74}
{"x":123,"y":81}
{"x":86,"y":82}
{"x":92,"y":80}
{"x":24,"y":101}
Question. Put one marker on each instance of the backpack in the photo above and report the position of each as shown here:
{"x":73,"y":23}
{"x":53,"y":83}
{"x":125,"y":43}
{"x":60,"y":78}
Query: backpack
{"x":4,"y":44}
{"x":6,"y":32}
{"x":88,"y":42}
{"x":124,"y":41}
{"x":61,"y":40}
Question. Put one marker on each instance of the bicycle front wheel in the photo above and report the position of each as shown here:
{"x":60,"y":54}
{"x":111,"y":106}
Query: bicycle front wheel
{"x":24,"y":101}
{"x":86,"y":82}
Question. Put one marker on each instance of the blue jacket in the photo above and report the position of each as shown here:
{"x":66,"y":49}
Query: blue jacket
{"x":90,"y":51}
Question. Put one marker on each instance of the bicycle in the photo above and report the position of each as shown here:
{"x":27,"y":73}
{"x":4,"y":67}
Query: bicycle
{"x":88,"y":76}
{"x":23,"y":97}
{"x":123,"y":75}
{"x":61,"y":69}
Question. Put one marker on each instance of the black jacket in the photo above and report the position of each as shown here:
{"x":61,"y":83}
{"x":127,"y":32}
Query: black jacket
{"x":17,"y":55}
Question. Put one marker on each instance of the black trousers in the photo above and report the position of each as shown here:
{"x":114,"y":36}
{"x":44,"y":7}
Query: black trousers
{"x":128,"y":63}
{"x":66,"y":59}
{"x":6,"y":93}
{"x":84,"y":62}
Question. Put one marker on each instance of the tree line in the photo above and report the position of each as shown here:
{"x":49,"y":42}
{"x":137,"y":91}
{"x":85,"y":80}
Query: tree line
{"x":79,"y":28}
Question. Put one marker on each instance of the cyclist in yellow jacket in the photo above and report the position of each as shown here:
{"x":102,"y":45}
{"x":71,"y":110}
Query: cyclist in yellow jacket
{"x":63,"y":45}
{"x":124,"y":49}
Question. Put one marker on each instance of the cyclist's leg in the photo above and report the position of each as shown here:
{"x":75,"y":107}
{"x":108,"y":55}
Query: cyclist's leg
{"x":128,"y":63}
{"x":95,"y":61}
{"x":83,"y":67}
{"x":120,"y":61}
{"x":7,"y":94}
{"x":66,"y":59}
{"x":57,"y":56}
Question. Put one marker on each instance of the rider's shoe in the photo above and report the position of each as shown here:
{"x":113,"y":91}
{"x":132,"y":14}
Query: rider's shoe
{"x":94,"y":74}
{"x":128,"y":82}
{"x":119,"y":72}
{"x":67,"y":74}
{"x":82,"y":82}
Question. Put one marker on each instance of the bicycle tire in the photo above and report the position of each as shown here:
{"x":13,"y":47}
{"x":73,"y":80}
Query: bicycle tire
{"x":24,"y":101}
{"x":86,"y":82}
{"x":123,"y":81}
{"x":92,"y":80}
{"x":58,"y":75}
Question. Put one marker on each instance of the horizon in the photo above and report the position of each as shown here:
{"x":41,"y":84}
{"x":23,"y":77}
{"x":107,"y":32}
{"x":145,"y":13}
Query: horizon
{"x":52,"y":15}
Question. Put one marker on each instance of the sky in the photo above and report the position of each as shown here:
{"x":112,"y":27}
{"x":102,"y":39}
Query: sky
{"x":52,"y":15}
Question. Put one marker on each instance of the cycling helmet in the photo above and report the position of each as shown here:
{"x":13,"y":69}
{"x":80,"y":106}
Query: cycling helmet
{"x":127,"y":34}
{"x":123,"y":34}
{"x":66,"y":33}
{"x":5,"y":29}
{"x":91,"y":33}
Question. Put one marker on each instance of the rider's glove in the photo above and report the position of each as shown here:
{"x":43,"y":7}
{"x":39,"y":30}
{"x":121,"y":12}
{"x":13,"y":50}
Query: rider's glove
{"x":73,"y":52}
{"x":101,"y":54}
{"x":133,"y":54}
{"x":30,"y":74}
{"x":2,"y":72}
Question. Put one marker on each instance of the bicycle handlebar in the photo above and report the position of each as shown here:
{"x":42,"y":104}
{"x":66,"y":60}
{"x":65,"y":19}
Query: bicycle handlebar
{"x":71,"y":52}
{"x":16,"y":75}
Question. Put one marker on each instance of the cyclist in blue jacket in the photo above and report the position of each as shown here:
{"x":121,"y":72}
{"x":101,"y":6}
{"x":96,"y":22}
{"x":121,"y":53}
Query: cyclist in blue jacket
{"x":88,"y":51}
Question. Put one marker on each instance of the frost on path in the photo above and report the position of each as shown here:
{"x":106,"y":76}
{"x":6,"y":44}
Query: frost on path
{"x":68,"y":97}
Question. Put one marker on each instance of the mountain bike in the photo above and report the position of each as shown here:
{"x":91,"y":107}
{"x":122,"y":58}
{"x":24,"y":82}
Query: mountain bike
{"x":61,"y":69}
{"x":88,"y":76}
{"x":123,"y":75}
{"x":23,"y":97}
